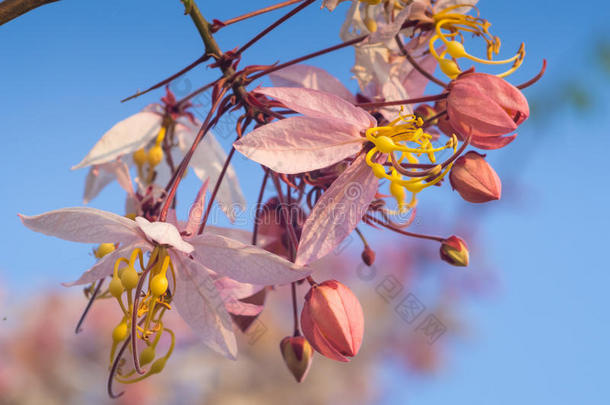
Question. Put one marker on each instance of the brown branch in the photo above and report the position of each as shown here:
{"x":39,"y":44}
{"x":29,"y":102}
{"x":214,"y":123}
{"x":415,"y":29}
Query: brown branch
{"x":11,"y":9}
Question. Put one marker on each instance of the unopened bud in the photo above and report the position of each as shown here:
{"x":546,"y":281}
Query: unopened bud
{"x":454,"y":251}
{"x":297,"y":354}
{"x":332,"y":320}
{"x":475,"y":179}
{"x":368,"y":256}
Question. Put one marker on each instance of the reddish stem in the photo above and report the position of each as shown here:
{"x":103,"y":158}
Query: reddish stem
{"x":400,"y":231}
{"x":416,"y":65}
{"x":222,"y":24}
{"x":259,"y":203}
{"x":309,"y":56}
{"x":407,"y":101}
{"x":535,"y":78}
{"x":205,"y":127}
{"x":169,"y":79}
{"x":274,"y":25}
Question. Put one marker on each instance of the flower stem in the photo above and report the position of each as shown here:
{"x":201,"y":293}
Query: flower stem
{"x":222,"y":24}
{"x":259,"y":203}
{"x":402,"y":232}
{"x":416,"y":65}
{"x":406,"y":101}
{"x":274,"y":25}
{"x":89,"y":305}
{"x":309,"y":56}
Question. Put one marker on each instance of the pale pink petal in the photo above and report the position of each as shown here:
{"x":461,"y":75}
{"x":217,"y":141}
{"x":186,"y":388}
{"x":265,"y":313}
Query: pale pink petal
{"x":337,"y":212}
{"x":207,"y":162}
{"x":105,"y":266}
{"x":96,"y":180}
{"x":242,"y":308}
{"x":231,"y":288}
{"x":244,"y":263}
{"x":414,"y":82}
{"x":84,"y":224}
{"x":125,"y":137}
{"x":240,"y":235}
{"x":311,"y":77}
{"x":164,"y":234}
{"x":201,"y":306}
{"x":196,"y":211}
{"x":314,"y":103}
{"x":301,"y":144}
{"x":387,"y":32}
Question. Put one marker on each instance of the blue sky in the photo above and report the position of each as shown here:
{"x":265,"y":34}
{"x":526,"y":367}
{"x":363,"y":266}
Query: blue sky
{"x":543,"y":338}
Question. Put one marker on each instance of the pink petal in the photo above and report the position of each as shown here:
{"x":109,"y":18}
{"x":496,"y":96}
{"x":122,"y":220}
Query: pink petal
{"x":164,"y":234}
{"x":234,"y":289}
{"x":201,"y":306}
{"x":196,"y":211}
{"x":239,"y":308}
{"x":301,"y":144}
{"x":84,"y":224}
{"x":492,"y":142}
{"x":125,"y":137}
{"x":337,"y":212}
{"x":105,"y":266}
{"x":415,"y":83}
{"x":314,"y":103}
{"x":244,"y":263}
{"x":311,"y":77}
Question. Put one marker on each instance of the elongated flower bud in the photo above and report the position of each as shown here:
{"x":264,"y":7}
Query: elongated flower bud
{"x":297,"y":354}
{"x":485,"y":107}
{"x":475,"y":179}
{"x":332,"y":320}
{"x":454,"y":251}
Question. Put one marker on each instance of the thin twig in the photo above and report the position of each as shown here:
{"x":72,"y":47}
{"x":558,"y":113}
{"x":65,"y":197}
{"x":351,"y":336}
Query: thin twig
{"x":274,"y":25}
{"x":251,"y":14}
{"x":416,"y":65}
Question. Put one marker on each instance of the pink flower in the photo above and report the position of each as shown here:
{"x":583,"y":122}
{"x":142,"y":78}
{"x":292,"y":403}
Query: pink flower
{"x":195,"y":296}
{"x":485,"y":107}
{"x":330,"y":130}
{"x":332,"y":320}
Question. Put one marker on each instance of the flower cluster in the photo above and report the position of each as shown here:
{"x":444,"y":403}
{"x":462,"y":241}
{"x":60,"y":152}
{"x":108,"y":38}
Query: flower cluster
{"x":336,"y":160}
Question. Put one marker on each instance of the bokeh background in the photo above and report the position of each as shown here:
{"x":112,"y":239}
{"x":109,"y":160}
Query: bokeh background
{"x":527,"y":323}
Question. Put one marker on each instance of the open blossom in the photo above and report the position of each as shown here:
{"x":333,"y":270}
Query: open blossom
{"x":189,"y":265}
{"x":126,"y":143}
{"x":331,"y":130}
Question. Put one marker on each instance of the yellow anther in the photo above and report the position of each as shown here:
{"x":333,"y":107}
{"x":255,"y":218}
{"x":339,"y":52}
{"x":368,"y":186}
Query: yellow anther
{"x":129,"y":278}
{"x":384,"y":144}
{"x":158,"y":365}
{"x":140,"y":157}
{"x":378,"y":170}
{"x":116,"y":287}
{"x":104,"y":249}
{"x":456,"y":49}
{"x":131,"y":216}
{"x":158,"y":285}
{"x":120,"y":332}
{"x":371,"y":25}
{"x":449,"y":67}
{"x":161,"y":136}
{"x":155,"y":155}
{"x":147,"y":355}
{"x":399,"y":193}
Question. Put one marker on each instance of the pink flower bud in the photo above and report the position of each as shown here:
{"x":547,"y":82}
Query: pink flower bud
{"x":454,"y":251}
{"x":475,"y":179}
{"x":297,"y":354}
{"x":368,"y":255}
{"x":332,"y":320}
{"x":485,"y":107}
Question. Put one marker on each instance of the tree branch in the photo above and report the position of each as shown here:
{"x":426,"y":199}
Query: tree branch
{"x":11,"y":9}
